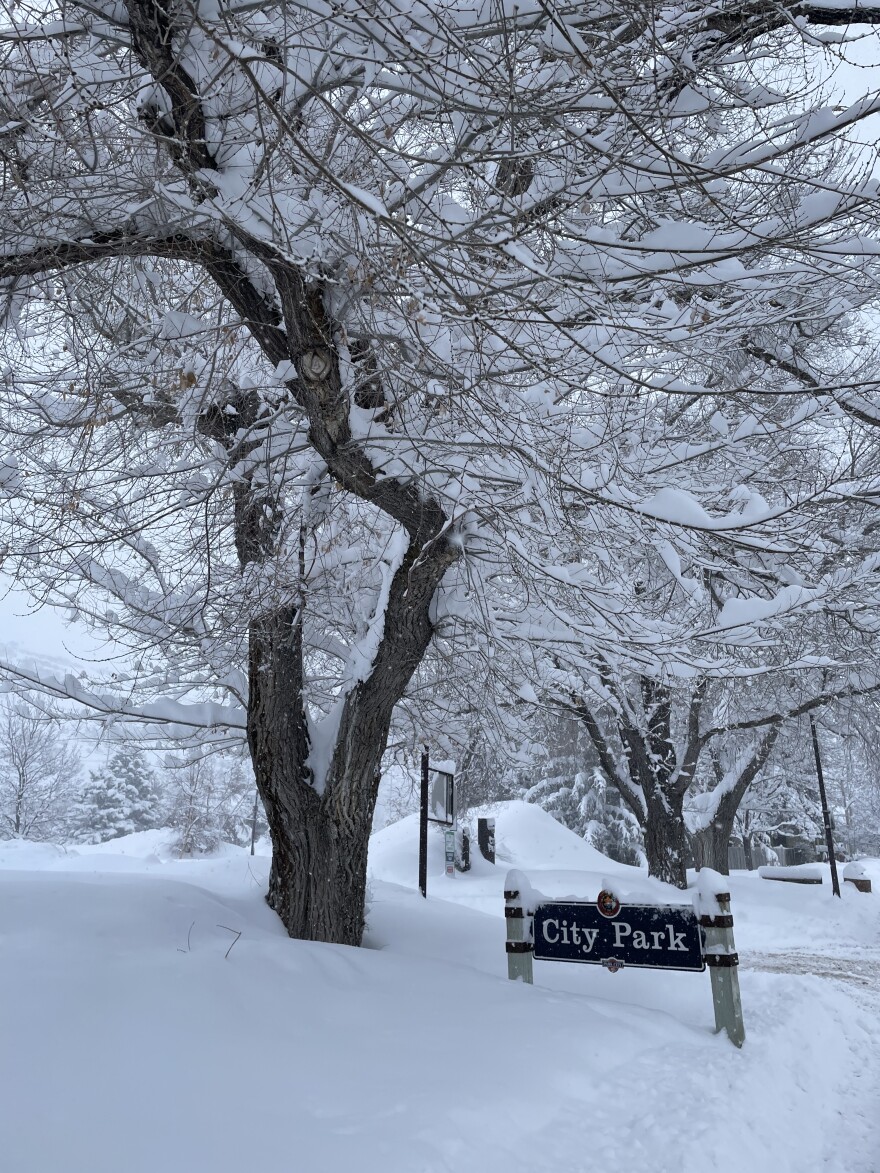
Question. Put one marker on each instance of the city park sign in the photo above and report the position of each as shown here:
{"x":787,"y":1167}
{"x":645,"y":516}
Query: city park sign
{"x":617,"y":935}
{"x":607,"y":933}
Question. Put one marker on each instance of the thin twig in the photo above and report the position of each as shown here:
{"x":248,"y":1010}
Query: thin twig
{"x":235,"y":942}
{"x":188,"y":948}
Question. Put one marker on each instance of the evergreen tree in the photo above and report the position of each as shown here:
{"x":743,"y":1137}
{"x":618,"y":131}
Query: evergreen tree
{"x":211,"y":801}
{"x":576,"y":793}
{"x":120,"y":799}
{"x":611,"y":827}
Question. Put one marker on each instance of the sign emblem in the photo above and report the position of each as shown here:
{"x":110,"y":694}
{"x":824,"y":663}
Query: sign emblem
{"x":608,"y":904}
{"x":612,"y":964}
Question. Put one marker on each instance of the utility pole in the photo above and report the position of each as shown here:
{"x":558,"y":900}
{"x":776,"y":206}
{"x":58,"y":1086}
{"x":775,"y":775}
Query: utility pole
{"x":826,"y":814}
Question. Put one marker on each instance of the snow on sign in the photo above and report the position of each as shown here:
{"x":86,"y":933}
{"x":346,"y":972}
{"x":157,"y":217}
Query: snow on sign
{"x":645,"y":936}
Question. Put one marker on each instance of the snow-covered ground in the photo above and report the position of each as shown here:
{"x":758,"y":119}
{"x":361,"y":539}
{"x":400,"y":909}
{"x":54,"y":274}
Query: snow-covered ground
{"x":141,"y":1032}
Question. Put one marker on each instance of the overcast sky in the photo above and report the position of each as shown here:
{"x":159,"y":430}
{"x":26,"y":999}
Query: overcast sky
{"x":27,"y":630}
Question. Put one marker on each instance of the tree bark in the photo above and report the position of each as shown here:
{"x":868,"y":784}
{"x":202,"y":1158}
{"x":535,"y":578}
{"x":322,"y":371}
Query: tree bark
{"x":320,"y":835}
{"x":748,"y":849}
{"x":664,"y":783}
{"x":317,"y":882}
{"x":320,"y":813}
{"x":713,"y":842}
{"x":665,"y":836}
{"x":657,"y":783}
{"x":698,"y":850}
{"x":19,"y":805}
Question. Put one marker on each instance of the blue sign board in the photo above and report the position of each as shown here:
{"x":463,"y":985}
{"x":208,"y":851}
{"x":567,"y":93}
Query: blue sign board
{"x":643,"y":936}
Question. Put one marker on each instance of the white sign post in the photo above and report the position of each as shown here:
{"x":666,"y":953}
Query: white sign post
{"x":520,"y":934}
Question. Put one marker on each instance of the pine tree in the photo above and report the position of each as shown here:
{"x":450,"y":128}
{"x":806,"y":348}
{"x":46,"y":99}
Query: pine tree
{"x":211,"y":801}
{"x":120,"y":799}
{"x":577,"y":794}
{"x":609,"y":824}
{"x":557,"y":790}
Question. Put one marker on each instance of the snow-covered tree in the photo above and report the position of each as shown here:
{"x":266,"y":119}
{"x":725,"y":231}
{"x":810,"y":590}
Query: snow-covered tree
{"x":39,"y":773}
{"x":119,"y":799}
{"x":736,"y":765}
{"x":684,"y":756}
{"x":847,"y":733}
{"x":783,"y":800}
{"x":210,"y":800}
{"x":335,"y":330}
{"x":571,"y":786}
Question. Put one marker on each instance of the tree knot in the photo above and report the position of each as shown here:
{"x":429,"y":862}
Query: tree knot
{"x":315,"y":365}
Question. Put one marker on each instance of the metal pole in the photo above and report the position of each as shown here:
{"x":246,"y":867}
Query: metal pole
{"x":826,"y":814}
{"x":423,"y":828}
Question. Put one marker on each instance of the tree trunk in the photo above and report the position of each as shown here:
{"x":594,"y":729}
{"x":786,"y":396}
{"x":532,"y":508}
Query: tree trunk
{"x":19,"y":810}
{"x":319,"y":798}
{"x":318,"y":879}
{"x":254,"y":820}
{"x":665,"y":837}
{"x":748,"y":851}
{"x":717,"y":836}
{"x":746,"y":835}
{"x":714,"y":841}
{"x":317,"y":882}
{"x":699,"y":850}
{"x":651,"y":764}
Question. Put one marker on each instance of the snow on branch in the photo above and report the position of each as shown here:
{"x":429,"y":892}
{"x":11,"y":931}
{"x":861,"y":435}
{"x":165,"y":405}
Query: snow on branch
{"x":172,"y":719}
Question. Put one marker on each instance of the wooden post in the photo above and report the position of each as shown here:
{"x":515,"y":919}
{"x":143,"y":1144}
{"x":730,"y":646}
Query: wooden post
{"x":722,"y":961}
{"x":423,"y":829}
{"x":520,"y":936}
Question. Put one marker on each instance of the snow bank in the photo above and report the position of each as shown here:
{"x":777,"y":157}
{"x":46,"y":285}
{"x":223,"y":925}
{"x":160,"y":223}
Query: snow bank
{"x":136,"y":852}
{"x":525,"y":836}
{"x":855,"y":871}
{"x":157,"y":1017}
{"x":803,"y":873}
{"x":528,"y":837}
{"x":558,"y":863}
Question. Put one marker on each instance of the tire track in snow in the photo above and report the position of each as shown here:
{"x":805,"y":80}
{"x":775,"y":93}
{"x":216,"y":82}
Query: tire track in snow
{"x":856,"y":1149}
